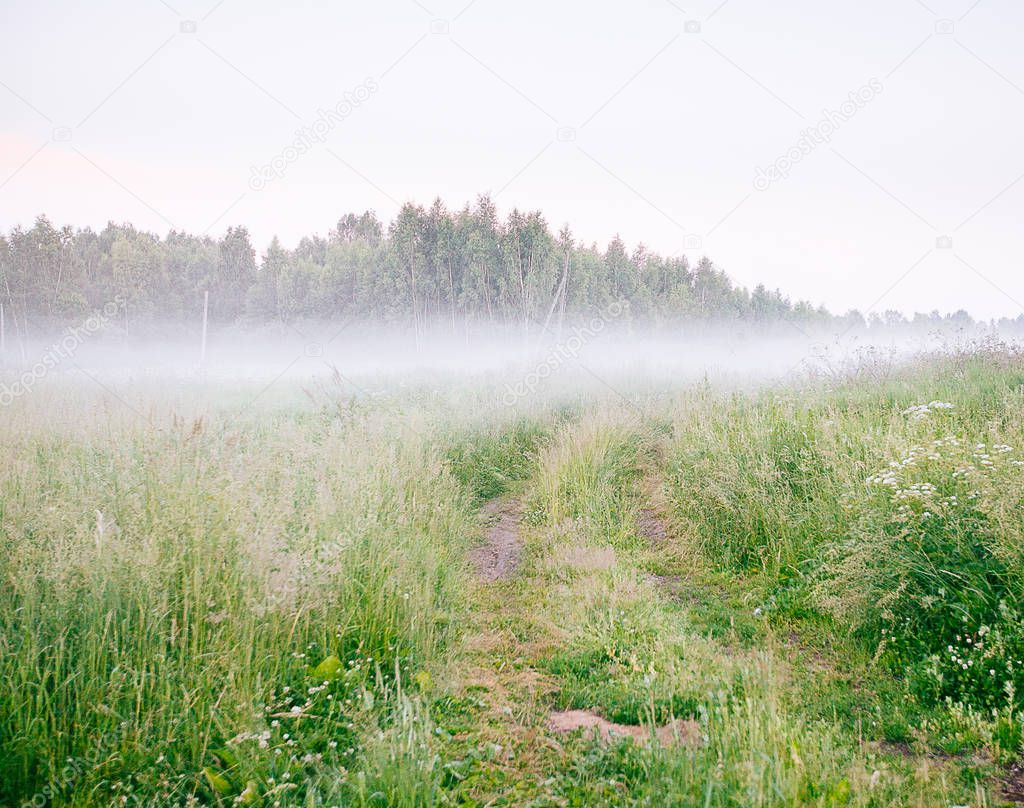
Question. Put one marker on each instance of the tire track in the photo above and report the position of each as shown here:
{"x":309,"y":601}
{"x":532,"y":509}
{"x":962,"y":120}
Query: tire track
{"x":499,"y":556}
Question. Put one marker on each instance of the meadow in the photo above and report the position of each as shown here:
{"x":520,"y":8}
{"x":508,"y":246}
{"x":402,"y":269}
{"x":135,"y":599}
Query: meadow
{"x":802,"y":593}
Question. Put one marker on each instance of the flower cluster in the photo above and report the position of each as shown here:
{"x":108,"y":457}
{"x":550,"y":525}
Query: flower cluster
{"x":987,"y":664}
{"x":942,"y":488}
{"x":940,"y":566}
{"x":918,"y":412}
{"x":318,"y":720}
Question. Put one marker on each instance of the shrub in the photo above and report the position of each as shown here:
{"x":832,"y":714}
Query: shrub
{"x":930,"y":570}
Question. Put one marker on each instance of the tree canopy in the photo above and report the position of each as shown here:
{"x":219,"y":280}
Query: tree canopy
{"x":430,"y":264}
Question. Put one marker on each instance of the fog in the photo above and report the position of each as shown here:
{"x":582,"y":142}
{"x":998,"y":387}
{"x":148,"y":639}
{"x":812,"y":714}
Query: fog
{"x":366,"y":359}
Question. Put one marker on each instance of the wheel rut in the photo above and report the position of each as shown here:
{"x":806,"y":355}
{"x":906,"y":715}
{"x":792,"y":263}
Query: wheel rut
{"x":499,"y":556}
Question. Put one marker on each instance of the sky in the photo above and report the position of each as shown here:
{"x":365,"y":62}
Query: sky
{"x":860,"y":155}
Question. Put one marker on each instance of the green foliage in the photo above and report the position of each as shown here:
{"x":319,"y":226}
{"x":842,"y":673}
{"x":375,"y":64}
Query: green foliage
{"x":760,"y":478}
{"x":488,"y":463}
{"x":274,"y":609}
{"x":588,"y":475}
{"x":921,"y":561}
{"x":429,"y":265}
{"x":187,"y":611}
{"x":625,"y":691}
{"x":928,"y":572}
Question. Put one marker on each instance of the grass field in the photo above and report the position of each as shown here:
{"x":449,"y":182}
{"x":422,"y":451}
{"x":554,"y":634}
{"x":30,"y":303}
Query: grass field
{"x":817,"y":584}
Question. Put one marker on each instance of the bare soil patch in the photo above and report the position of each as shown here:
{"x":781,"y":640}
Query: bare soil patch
{"x":1012,"y":785}
{"x":651,"y":527}
{"x":499,"y":555}
{"x":680,"y":731}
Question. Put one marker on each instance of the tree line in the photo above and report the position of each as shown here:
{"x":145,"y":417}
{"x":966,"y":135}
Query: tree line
{"x":429,"y":264}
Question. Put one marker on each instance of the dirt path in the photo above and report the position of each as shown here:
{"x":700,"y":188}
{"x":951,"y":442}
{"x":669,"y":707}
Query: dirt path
{"x":498,"y":557}
{"x":513,"y":632}
{"x":652,"y":527}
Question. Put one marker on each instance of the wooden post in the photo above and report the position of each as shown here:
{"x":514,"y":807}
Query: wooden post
{"x":206,"y":309}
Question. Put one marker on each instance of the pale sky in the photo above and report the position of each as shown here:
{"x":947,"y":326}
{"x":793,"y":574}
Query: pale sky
{"x":649,"y":119}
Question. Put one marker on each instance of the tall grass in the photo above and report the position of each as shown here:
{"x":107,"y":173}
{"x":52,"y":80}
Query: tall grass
{"x":491,"y":459}
{"x":265,"y":607}
{"x":587,"y":475}
{"x":617,"y":642}
{"x":167,"y":590}
{"x":892,"y":507}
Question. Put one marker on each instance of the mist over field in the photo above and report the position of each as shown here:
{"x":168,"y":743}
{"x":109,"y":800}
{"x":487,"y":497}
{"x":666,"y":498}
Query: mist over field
{"x":520,"y":360}
{"x":491,"y":404}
